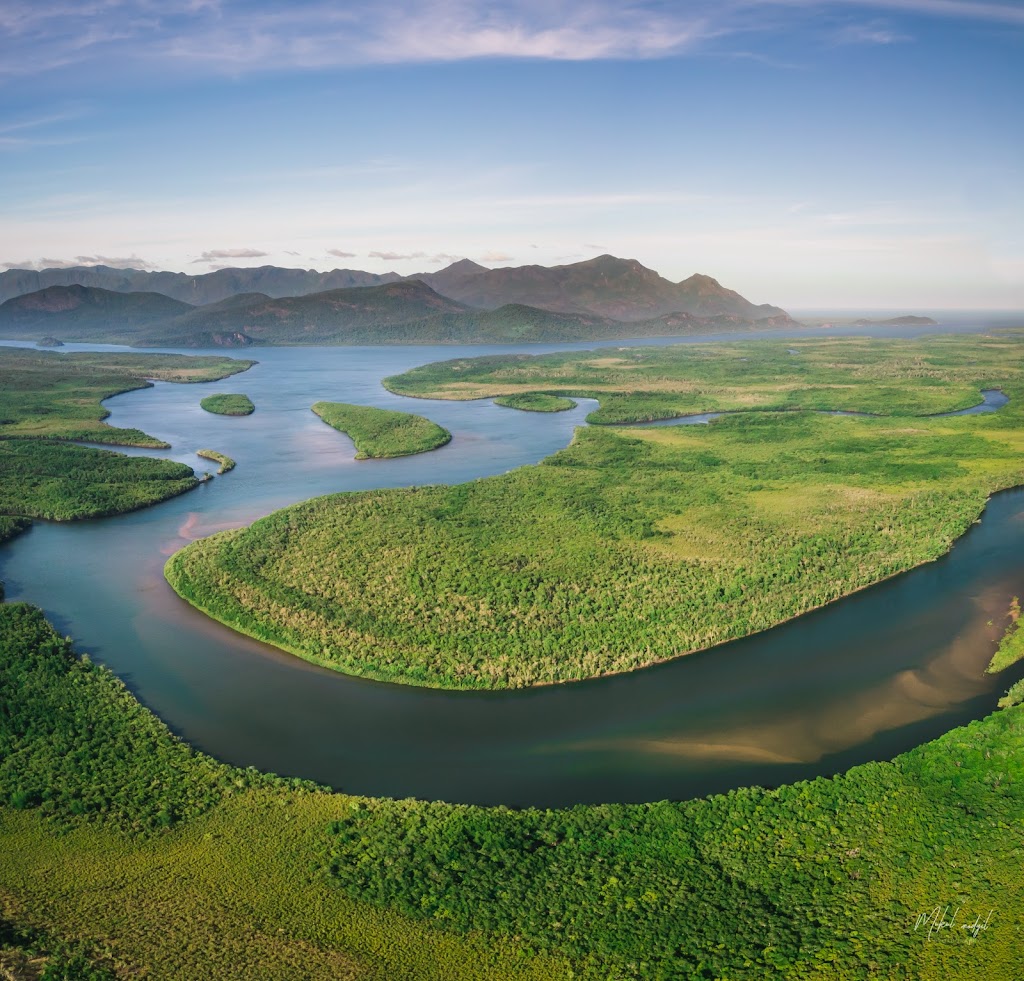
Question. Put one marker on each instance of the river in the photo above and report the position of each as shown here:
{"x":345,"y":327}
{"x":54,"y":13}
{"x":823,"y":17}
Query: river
{"x":864,"y":678}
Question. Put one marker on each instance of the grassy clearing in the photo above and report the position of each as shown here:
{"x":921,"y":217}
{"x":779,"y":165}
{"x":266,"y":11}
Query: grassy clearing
{"x":381,"y":433}
{"x":157,"y":861}
{"x":632,"y":545}
{"x":228,"y":405}
{"x":225,"y":462}
{"x":535,"y":402}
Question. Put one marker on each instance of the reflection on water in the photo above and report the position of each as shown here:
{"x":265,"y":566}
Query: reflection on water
{"x":862,"y":679}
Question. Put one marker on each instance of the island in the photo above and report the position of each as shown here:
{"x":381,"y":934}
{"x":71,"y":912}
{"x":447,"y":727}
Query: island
{"x":226,"y":463}
{"x":536,"y":402}
{"x":228,"y":405}
{"x":382,"y":433}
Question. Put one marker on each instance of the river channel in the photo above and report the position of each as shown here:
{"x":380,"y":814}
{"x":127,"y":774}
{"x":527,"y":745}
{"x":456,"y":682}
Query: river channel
{"x":864,"y":678}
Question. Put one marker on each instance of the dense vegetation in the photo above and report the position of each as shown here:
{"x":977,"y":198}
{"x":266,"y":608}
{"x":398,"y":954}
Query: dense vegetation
{"x":48,"y":399}
{"x":633,"y":545}
{"x":226,"y":463}
{"x":121,"y":839}
{"x":1011,"y":647}
{"x":811,"y":880}
{"x":47,"y":479}
{"x":379,"y":433}
{"x":228,"y":405}
{"x":117,"y":836}
{"x":535,"y":402}
{"x":888,"y":377}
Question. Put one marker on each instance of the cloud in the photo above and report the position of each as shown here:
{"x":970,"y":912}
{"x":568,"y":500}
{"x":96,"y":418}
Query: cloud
{"x":870,"y":34}
{"x":216,"y":255}
{"x":116,"y":262}
{"x":495,"y":257}
{"x":445,"y":257}
{"x":397,"y":256}
{"x":339,"y":254}
{"x":234,"y":37}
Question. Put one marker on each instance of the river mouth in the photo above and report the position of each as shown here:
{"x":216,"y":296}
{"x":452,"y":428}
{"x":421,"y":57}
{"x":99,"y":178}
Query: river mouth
{"x":864,"y":678}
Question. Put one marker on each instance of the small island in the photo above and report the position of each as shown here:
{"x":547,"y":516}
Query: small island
{"x":536,"y":402}
{"x":382,"y":433}
{"x":49,"y":342}
{"x":907,"y":321}
{"x":228,"y":405}
{"x":226,"y":463}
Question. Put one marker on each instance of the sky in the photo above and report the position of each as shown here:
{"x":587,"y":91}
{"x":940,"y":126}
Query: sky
{"x":807,"y":153}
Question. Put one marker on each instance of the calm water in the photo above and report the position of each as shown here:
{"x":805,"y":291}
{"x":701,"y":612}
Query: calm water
{"x":863,"y":679}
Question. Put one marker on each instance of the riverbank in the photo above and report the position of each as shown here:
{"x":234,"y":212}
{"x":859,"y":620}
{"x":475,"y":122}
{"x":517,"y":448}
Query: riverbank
{"x":217,"y":870}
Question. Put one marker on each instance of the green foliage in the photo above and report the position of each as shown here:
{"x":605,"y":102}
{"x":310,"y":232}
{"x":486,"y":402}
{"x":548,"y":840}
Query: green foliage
{"x":75,"y":743}
{"x":64,"y":482}
{"x":888,"y":377}
{"x":1013,"y":696}
{"x":226,"y":463}
{"x":228,"y":405}
{"x":1011,"y":646}
{"x":117,"y":836}
{"x":632,"y":545}
{"x":58,"y":395}
{"x":265,"y":877}
{"x":47,"y":397}
{"x":379,"y":433}
{"x":536,"y":402}
{"x":825,"y":878}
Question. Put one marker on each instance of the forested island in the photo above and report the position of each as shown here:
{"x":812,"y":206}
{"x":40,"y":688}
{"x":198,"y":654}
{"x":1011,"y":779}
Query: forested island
{"x":382,"y":433}
{"x":228,"y":405}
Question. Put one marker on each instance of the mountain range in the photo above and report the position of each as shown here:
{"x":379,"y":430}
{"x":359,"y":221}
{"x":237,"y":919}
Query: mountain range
{"x":605,"y":297}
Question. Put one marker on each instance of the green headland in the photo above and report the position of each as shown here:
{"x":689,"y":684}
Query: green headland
{"x":226,"y":463}
{"x":632,"y":546}
{"x":382,"y":433}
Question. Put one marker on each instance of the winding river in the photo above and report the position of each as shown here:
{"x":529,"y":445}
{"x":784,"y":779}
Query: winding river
{"x":862,"y":679}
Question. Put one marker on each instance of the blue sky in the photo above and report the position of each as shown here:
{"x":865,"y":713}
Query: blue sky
{"x":809,"y":153}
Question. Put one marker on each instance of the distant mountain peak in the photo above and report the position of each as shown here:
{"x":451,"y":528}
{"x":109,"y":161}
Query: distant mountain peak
{"x":464,"y":266}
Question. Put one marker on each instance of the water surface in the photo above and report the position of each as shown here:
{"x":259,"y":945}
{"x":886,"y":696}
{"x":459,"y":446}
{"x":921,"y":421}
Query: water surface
{"x":864,"y":678}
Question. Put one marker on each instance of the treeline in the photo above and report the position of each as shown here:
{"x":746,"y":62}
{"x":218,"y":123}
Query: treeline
{"x":880,"y":376}
{"x":380,"y":433}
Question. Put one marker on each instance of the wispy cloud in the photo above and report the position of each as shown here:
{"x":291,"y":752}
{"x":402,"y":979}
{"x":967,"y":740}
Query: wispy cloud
{"x":116,"y":262}
{"x":216,"y":255}
{"x":339,"y":254}
{"x":397,"y":256}
{"x":232,"y":37}
{"x":874,"y":33}
{"x":496,"y":257}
